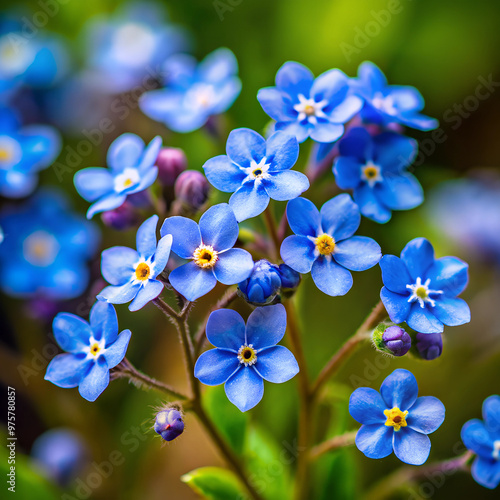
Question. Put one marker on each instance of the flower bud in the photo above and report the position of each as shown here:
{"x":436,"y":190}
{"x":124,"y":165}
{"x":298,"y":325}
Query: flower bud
{"x":171,"y":162}
{"x":169,"y":424}
{"x":290,"y":279}
{"x":191,"y":189}
{"x":429,"y":345}
{"x":122,"y":218}
{"x":262,"y":285}
{"x":391,"y":339}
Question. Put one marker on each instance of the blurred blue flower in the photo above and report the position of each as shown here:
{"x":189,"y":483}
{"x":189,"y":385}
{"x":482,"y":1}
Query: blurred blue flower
{"x":256,"y":170}
{"x":131,"y":170}
{"x":483,"y":438}
{"x":209,"y":247}
{"x":422,"y":290}
{"x":92,"y":350}
{"x":245,"y":356}
{"x":263,"y":283}
{"x":324,"y":244}
{"x":128,"y":48}
{"x":24,"y":151}
{"x":133,"y":274}
{"x":307,"y":107}
{"x":45,"y":249}
{"x":396,"y":419}
{"x":375,"y":169}
{"x":193,"y":92}
{"x":386,"y":104}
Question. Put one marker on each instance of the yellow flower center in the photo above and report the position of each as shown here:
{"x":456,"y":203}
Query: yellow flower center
{"x":421,"y":292}
{"x":128,"y":182}
{"x":205,"y":257}
{"x":309,"y":110}
{"x":325,"y":244}
{"x":370,"y":172}
{"x":396,"y":418}
{"x":142,"y":271}
{"x":94,"y":349}
{"x":5,"y":155}
{"x":247,"y":355}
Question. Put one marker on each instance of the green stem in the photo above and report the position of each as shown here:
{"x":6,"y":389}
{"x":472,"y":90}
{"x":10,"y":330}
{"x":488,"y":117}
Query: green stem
{"x":333,"y":444}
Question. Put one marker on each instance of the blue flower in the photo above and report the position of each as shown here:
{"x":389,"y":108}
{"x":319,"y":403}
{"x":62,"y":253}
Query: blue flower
{"x":45,"y":249}
{"x":133,"y":274}
{"x":92,"y":350}
{"x":256,"y":170}
{"x":209,"y":247}
{"x":308,"y":107}
{"x":422,"y":290}
{"x":483,"y":438}
{"x":263,"y":283}
{"x":245,"y":356}
{"x":24,"y":151}
{"x":324,"y":243}
{"x":194,"y":92}
{"x":385,"y":104}
{"x":396,"y":419}
{"x":132,"y":170}
{"x":375,"y":169}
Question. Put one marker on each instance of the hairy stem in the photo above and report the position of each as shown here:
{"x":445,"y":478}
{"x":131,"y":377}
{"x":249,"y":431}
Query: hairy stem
{"x":332,"y":444}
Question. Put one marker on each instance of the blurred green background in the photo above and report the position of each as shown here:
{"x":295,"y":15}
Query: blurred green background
{"x":444,"y":49}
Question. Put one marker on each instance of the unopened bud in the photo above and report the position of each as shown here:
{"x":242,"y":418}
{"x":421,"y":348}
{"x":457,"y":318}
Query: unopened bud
{"x":429,"y":345}
{"x":289,"y":278}
{"x":262,"y":285}
{"x":169,"y":424}
{"x":122,"y":218}
{"x":391,"y":339}
{"x":191,"y":189}
{"x":171,"y":162}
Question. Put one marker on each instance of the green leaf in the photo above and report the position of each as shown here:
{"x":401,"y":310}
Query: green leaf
{"x":230,"y":421}
{"x":215,"y":483}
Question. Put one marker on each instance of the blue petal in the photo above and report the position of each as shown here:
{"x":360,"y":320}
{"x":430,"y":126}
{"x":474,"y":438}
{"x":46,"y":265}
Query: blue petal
{"x":147,"y":179}
{"x":104,"y":322}
{"x":282,"y":151}
{"x":397,"y":305}
{"x":276,"y":364}
{"x":218,"y":66}
{"x":266,"y":326}
{"x":298,"y":253}
{"x":276,"y":104}
{"x":330,"y":85}
{"x":394,"y":151}
{"x":411,"y":447}
{"x":331,"y":278}
{"x":245,"y":388}
{"x":244,"y":145}
{"x":426,"y":415}
{"x":399,"y":389}
{"x":226,"y":329}
{"x":418,"y":255}
{"x":326,"y":132}
{"x":358,"y":144}
{"x":223,"y":174}
{"x":400,"y":192}
{"x":375,"y":441}
{"x":150,"y":154}
{"x":303,"y":217}
{"x":67,"y":370}
{"x":347,"y":171}
{"x":233,"y":266}
{"x":450,"y":275}
{"x":366,"y":406}
{"x":340,"y":217}
{"x":218,"y":227}
{"x":477,"y":438}
{"x":491,"y":414}
{"x":395,"y":274}
{"x":125,"y":152}
{"x":370,"y":205}
{"x":109,"y":202}
{"x":451,"y":312}
{"x":119,"y":294}
{"x":116,"y":352}
{"x":287,"y":185}
{"x":248,"y":201}
{"x":300,"y":130}
{"x":423,"y":320}
{"x":215,"y":366}
{"x":185,"y":233}
{"x":15,"y":184}
{"x":418,"y":121}
{"x":93,"y":385}
{"x":93,"y":183}
{"x":161,"y":255}
{"x":146,"y":293}
{"x":192,"y":281}
{"x":294,"y":78}
{"x":344,"y":111}
{"x":486,"y":472}
{"x":357,"y":253}
{"x":372,"y":76}
{"x":118,"y":264}
{"x":71,"y":332}
{"x":146,"y":237}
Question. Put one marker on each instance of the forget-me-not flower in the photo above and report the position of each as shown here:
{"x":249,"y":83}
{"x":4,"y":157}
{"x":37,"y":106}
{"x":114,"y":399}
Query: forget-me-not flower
{"x":256,"y":170}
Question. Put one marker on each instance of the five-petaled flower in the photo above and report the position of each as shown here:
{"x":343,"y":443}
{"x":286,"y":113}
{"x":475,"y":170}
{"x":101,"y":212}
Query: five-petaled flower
{"x":245,"y":356}
{"x":209,"y":247}
{"x":422,"y":290}
{"x":396,"y":419}
{"x":483,"y":438}
{"x":131,"y":170}
{"x":375,"y":169}
{"x":92,"y":350}
{"x":324,"y":244}
{"x":256,"y":170}
{"x":131,"y":273}
{"x":309,"y":107}
{"x":386,"y":104}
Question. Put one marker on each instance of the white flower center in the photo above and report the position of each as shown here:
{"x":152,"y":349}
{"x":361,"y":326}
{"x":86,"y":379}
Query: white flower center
{"x":384,"y":103}
{"x":247,"y":355}
{"x":200,"y":95}
{"x":95,"y":348}
{"x":421,"y":292}
{"x":371,"y":174}
{"x":133,"y":44}
{"x":496,"y":450}
{"x":128,"y":178}
{"x":257,"y":171}
{"x":10,"y":152}
{"x":40,"y":248}
{"x":310,"y":109}
{"x":16,"y":54}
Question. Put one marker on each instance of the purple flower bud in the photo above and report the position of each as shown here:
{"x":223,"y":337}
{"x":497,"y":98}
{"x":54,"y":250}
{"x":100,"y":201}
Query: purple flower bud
{"x":396,"y":340}
{"x":262,"y":284}
{"x":289,"y":277}
{"x":429,"y":345}
{"x":192,"y":188}
{"x":122,"y":218}
{"x":169,"y":424}
{"x":171,"y":162}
